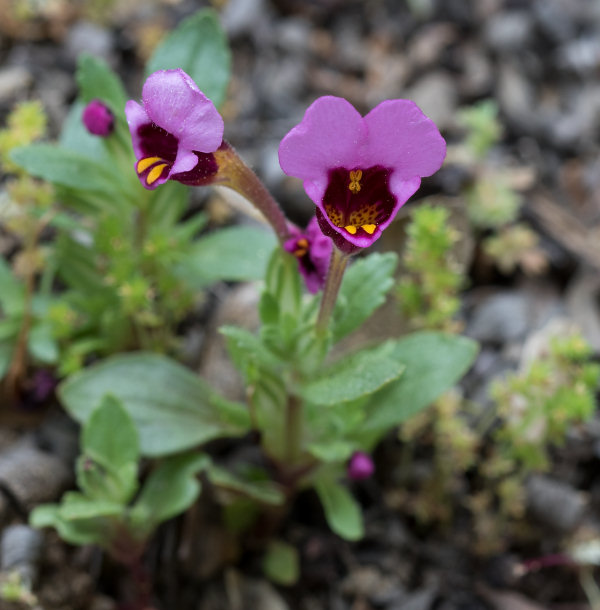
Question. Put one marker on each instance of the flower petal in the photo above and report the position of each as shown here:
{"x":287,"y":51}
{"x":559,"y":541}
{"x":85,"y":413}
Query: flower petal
{"x":330,"y":135}
{"x":402,"y":137}
{"x":174,"y":102}
{"x":136,"y":117}
{"x":185,"y":161}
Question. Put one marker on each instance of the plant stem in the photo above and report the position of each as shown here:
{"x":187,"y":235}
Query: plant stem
{"x":293,"y":430}
{"x":337,"y":266}
{"x":236,"y":175}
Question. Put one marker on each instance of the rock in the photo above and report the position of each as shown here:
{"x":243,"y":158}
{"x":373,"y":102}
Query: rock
{"x":88,"y":37}
{"x":32,"y":476}
{"x":20,"y":551}
{"x":429,"y":43}
{"x":477,"y":72}
{"x":554,"y":503}
{"x":435,"y":93}
{"x":509,"y":600}
{"x":244,"y":17}
{"x":581,"y":56}
{"x":14,"y":83}
{"x":259,"y":594}
{"x":556,"y":19}
{"x":293,"y":35}
{"x":577,"y":126}
{"x":582,"y":305}
{"x":420,"y":600}
{"x":516,"y":97}
{"x":501,"y":318}
{"x":509,"y":32}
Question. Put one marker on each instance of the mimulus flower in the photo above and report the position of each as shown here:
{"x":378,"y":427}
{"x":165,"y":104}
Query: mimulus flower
{"x":359,"y":170}
{"x":313,"y":251}
{"x":175,"y":131}
{"x":98,"y":119}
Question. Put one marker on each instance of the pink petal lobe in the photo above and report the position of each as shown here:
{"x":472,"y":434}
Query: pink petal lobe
{"x":174,"y":102}
{"x":329,"y":135}
{"x":136,"y":117}
{"x":402,"y":137}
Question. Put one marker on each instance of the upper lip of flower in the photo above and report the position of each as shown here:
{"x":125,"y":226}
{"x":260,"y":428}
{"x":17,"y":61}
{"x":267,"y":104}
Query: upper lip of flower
{"x":360,"y":170}
{"x":174,"y":122}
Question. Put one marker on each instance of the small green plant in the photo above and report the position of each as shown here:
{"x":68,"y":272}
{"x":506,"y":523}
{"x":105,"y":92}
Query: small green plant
{"x":535,"y":408}
{"x":493,"y":202}
{"x":428,"y":288}
{"x":538,"y":407}
{"x":483,"y":127}
{"x":112,"y":509}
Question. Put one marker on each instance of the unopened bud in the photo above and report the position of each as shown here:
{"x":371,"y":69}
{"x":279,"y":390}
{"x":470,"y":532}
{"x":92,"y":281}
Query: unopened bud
{"x":98,"y":119}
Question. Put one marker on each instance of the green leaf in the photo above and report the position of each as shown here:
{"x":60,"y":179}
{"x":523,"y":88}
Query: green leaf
{"x":171,"y":407}
{"x":75,"y":506}
{"x":235,"y":254}
{"x":281,"y":563}
{"x":81,"y":531}
{"x":107,"y":484}
{"x":434,"y":362}
{"x":12,"y":291}
{"x":97,"y":81}
{"x":355,"y":376}
{"x":198,"y":46}
{"x":170,"y":489}
{"x":341,"y":510}
{"x":246,"y":349}
{"x":109,"y":436}
{"x":65,"y":168}
{"x":363,"y":290}
{"x":42,"y":345}
{"x":258,"y":489}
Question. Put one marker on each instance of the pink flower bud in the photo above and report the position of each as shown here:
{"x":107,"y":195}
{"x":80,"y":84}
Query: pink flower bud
{"x":360,"y":466}
{"x":98,"y":119}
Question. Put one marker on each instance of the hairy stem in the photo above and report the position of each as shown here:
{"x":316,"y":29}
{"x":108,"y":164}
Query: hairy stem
{"x":239,"y":177}
{"x":337,"y":266}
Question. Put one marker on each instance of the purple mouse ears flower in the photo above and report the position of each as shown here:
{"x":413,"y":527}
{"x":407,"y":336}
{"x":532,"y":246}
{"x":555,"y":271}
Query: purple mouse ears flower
{"x":313,"y":251}
{"x":359,"y":170}
{"x":174,"y":131}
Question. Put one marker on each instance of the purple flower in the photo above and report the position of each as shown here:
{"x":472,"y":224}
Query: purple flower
{"x":360,"y":466}
{"x":359,"y":170}
{"x":175,"y":131}
{"x":98,"y":119}
{"x":313,"y":251}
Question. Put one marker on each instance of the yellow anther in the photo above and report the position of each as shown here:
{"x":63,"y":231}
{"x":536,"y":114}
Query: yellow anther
{"x":144,"y":164}
{"x":351,"y":229}
{"x":370,"y":229}
{"x":155,"y":173}
{"x":355,"y":178}
{"x":301,"y":247}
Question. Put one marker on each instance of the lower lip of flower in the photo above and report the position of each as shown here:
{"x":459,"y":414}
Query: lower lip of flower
{"x":359,"y":199}
{"x":153,"y":167}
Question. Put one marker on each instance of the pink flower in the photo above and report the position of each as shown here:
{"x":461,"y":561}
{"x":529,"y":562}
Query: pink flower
{"x":313,"y":251}
{"x":361,"y":466}
{"x":98,"y":119}
{"x":359,"y":170}
{"x":175,"y":131}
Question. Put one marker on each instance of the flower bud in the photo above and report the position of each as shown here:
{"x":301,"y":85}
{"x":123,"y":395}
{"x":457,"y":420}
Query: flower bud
{"x":360,"y":466}
{"x":98,"y":119}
